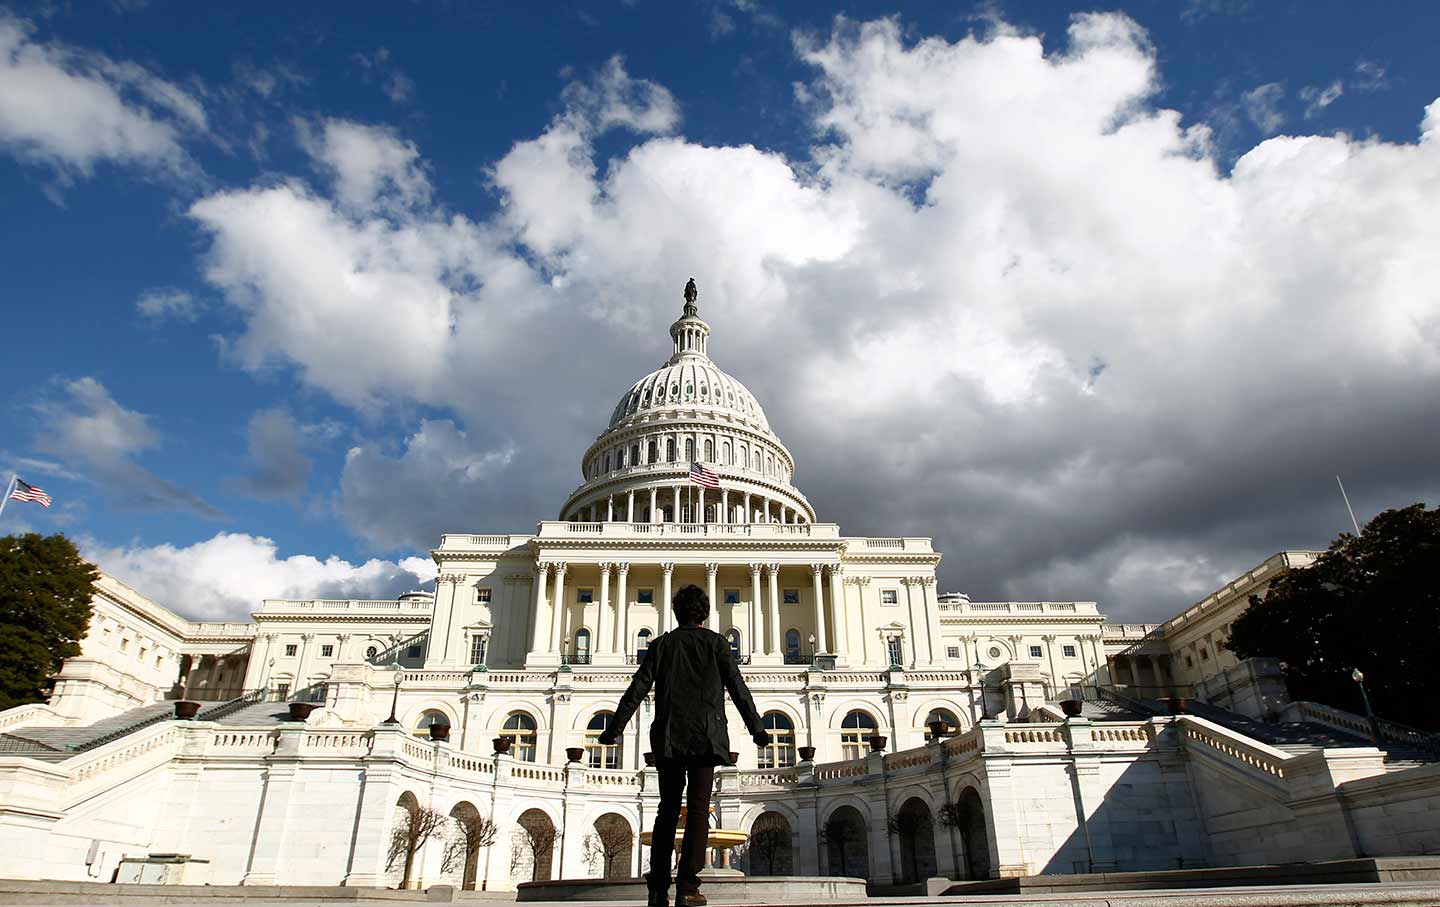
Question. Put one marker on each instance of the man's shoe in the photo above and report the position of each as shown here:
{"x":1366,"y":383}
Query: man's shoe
{"x":690,"y":899}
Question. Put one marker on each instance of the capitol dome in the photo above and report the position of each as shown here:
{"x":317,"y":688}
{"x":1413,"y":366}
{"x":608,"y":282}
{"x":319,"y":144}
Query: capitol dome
{"x":687,"y":411}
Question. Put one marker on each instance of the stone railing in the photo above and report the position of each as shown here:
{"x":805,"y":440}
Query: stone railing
{"x":1251,"y":757}
{"x":969,"y":607}
{"x":1349,"y":722}
{"x":31,"y":713}
{"x":565,"y":529}
{"x":334,"y":604}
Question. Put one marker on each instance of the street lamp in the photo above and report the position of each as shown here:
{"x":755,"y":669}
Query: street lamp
{"x":1359,"y":679}
{"x":812,"y":648}
{"x":979,"y":678}
{"x":394,"y":700}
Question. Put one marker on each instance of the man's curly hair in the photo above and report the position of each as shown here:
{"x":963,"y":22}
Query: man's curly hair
{"x":691,"y":605}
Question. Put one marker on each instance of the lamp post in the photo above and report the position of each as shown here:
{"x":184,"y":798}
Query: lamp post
{"x":1359,"y":679}
{"x":394,"y":700}
{"x":980,"y":685}
{"x":812,"y":648}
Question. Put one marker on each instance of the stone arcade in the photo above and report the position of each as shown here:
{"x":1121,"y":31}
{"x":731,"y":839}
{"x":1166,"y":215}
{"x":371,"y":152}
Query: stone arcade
{"x":922,"y":731}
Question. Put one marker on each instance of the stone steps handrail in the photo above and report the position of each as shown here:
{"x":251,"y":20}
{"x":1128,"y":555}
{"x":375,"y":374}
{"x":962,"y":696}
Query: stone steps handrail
{"x":1349,"y":722}
{"x":1251,"y":757}
{"x":22,"y":715}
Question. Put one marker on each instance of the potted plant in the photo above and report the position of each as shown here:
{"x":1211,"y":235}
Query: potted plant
{"x":501,"y":744}
{"x":807,"y":753}
{"x":439,"y":731}
{"x":186,"y":708}
{"x":1072,"y":707}
{"x":938,"y":729}
{"x":734,"y":758}
{"x":574,"y":753}
{"x":877,"y":743}
{"x":299,"y":711}
{"x":650,"y":759}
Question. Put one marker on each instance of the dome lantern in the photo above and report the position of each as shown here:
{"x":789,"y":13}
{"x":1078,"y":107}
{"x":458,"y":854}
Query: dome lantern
{"x":690,"y":335}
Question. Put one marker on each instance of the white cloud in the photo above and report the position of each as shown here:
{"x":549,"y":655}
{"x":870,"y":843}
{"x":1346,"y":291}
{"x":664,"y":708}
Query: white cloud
{"x":227,"y":576}
{"x":1317,"y":99}
{"x":100,"y":439}
{"x":160,"y":303}
{"x":370,"y":165}
{"x":921,"y":304}
{"x":396,"y":85}
{"x":1262,"y":106}
{"x":72,"y":109}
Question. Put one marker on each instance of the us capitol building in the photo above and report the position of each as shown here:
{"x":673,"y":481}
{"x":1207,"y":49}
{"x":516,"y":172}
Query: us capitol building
{"x":890,"y":705}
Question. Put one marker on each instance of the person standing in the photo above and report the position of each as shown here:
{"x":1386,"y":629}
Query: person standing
{"x":691,"y":668}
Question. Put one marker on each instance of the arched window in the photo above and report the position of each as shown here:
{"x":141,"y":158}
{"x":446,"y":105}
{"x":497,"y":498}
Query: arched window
{"x":651,"y":455}
{"x":597,"y":754}
{"x":755,"y":460}
{"x":582,"y":647}
{"x":642,"y":644}
{"x":519,"y":729}
{"x":670,"y":449}
{"x":607,"y":462}
{"x":634,"y":454}
{"x":732,"y":636}
{"x":727,"y":455}
{"x":792,"y":647}
{"x":781,"y":751}
{"x":855,"y":733}
{"x":709,"y":451}
{"x":427,"y":718}
{"x":689,"y":449}
{"x":620,"y":458}
{"x":945,"y":716}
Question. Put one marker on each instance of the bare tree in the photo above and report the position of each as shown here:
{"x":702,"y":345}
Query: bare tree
{"x":417,"y":825}
{"x":838,"y":832}
{"x":611,"y":846}
{"x":906,"y":826}
{"x":769,"y":839}
{"x":536,"y":840}
{"x":472,"y":833}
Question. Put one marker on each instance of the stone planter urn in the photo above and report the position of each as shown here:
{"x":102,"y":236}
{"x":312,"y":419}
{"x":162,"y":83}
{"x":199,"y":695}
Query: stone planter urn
{"x":439,"y":732}
{"x":807,"y":753}
{"x":501,"y":744}
{"x":877,"y":743}
{"x":734,"y":758}
{"x":574,"y":753}
{"x":299,"y":711}
{"x":1071,"y":707}
{"x":650,"y":759}
{"x":186,"y":709}
{"x":938,"y":729}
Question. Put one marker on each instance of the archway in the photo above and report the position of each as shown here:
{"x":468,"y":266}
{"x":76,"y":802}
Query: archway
{"x":973,"y":838}
{"x":532,"y":847}
{"x":915,"y":829}
{"x":610,"y":847}
{"x":770,"y":849}
{"x":846,"y":847}
{"x":469,"y":834}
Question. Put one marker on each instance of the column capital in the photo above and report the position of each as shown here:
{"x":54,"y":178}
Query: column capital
{"x":668,"y":567}
{"x":774,"y":569}
{"x":605,"y":567}
{"x":307,"y":636}
{"x":1049,"y":637}
{"x":755,"y":570}
{"x":836,"y":569}
{"x":541,"y":568}
{"x":817,"y":569}
{"x":559,"y":567}
{"x":622,"y":567}
{"x":343,"y":637}
{"x":711,"y":569}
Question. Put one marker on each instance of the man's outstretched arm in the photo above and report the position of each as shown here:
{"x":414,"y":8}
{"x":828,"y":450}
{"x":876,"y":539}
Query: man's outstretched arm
{"x":740,"y":695}
{"x":634,"y":695}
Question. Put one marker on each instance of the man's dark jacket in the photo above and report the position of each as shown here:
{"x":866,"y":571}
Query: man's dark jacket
{"x":695,"y":667}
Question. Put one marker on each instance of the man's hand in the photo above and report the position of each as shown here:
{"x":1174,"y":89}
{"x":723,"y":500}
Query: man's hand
{"x":761,"y":738}
{"x":607,"y":737}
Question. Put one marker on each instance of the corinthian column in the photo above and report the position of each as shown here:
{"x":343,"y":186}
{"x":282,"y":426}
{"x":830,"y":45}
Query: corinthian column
{"x":622,"y":606}
{"x":602,"y":646}
{"x":558,"y":613}
{"x":821,"y":643}
{"x":710,"y":591}
{"x":773,"y":572}
{"x":756,"y":628}
{"x":537,"y":643}
{"x":663,"y":605}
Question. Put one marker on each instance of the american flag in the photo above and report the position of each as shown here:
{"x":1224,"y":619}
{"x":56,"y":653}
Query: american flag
{"x":24,"y":491}
{"x":700,"y":475}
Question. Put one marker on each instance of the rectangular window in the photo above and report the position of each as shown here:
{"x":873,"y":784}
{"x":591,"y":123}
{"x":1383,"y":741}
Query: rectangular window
{"x":889,"y":596}
{"x":282,"y":691}
{"x":645,"y":597}
{"x":896,"y":650}
{"x":124,"y":644}
{"x":1036,"y":652}
{"x":1204,"y":654}
{"x":732,"y":596}
{"x":584,"y":596}
{"x":327,"y":651}
{"x":952,"y":652}
{"x":291,"y":649}
{"x":141,"y":656}
{"x":792,"y":596}
{"x":414,"y":651}
{"x":477,"y":650}
{"x":482,"y":595}
{"x":1067,"y":651}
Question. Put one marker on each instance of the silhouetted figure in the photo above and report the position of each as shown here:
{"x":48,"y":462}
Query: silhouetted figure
{"x":691,"y":668}
{"x":691,"y":294}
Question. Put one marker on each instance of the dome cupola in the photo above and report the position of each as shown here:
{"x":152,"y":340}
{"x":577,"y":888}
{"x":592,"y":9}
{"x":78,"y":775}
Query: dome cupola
{"x":688,"y":411}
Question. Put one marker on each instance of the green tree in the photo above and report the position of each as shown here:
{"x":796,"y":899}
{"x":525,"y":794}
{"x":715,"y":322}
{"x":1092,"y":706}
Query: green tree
{"x":1369,"y":602}
{"x":45,"y":592}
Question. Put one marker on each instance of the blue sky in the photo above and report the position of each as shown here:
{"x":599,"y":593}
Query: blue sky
{"x":1100,"y":299}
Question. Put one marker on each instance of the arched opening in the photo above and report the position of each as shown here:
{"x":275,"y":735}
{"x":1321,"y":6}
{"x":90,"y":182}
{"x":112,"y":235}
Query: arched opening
{"x":781,"y":751}
{"x":973,"y":839}
{"x":519,"y":729}
{"x":642,"y":644}
{"x":597,"y":754}
{"x":689,"y":450}
{"x":843,"y":835}
{"x":915,"y":829}
{"x":855,"y":733}
{"x":770,"y":849}
{"x":651,"y":454}
{"x":732,"y":636}
{"x":532,"y":847}
{"x":945,"y":717}
{"x":634,"y":455}
{"x":582,"y":647}
{"x":469,"y":834}
{"x":727,"y":455}
{"x":411,"y":827}
{"x":709,"y":451}
{"x":427,"y":718}
{"x":610,"y":847}
{"x":670,"y":450}
{"x":792,"y":647}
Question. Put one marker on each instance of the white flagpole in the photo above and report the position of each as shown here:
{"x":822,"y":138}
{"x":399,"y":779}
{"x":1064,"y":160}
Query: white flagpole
{"x":1347,"y":505}
{"x":9,"y":489}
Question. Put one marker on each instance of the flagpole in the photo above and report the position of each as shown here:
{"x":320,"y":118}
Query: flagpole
{"x":1347,"y":505}
{"x":9,"y":489}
